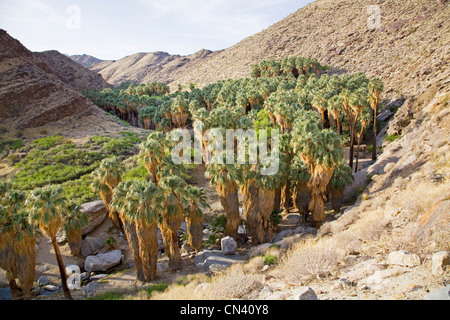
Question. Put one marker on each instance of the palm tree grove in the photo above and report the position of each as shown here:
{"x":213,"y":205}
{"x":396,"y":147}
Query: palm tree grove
{"x":300,"y":169}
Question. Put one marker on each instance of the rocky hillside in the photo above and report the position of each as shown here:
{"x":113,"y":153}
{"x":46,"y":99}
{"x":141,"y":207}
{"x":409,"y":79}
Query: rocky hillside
{"x":72,"y":73}
{"x":149,"y":67}
{"x":409,"y":51}
{"x":32,"y":96}
{"x":87,"y":61}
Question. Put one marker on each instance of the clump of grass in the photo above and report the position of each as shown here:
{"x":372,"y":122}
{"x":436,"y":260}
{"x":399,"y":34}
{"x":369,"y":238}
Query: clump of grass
{"x":393,"y":137}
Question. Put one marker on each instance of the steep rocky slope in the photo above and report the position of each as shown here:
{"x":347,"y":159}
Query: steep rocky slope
{"x":72,"y":73}
{"x":32,"y":97}
{"x":86,"y":61}
{"x":149,"y":67}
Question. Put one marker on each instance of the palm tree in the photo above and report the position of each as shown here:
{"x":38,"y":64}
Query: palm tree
{"x":25,"y":251}
{"x":173,"y":195}
{"x":358,"y":101}
{"x":225,"y":178}
{"x":196,"y":200}
{"x":119,"y":204}
{"x":7,"y":234}
{"x":376,"y":87}
{"x":153,"y":153}
{"x":141,"y":208}
{"x":342,"y":177}
{"x":300,"y":176}
{"x":364,"y":120}
{"x":321,"y":150}
{"x":106,"y":178}
{"x":47,"y":206}
{"x":74,"y":221}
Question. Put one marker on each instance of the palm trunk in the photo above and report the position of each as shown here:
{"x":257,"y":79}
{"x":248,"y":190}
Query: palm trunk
{"x":148,"y":249}
{"x":325,"y":119}
{"x":266,"y":200}
{"x":375,"y":133}
{"x":277,"y":202}
{"x":133,"y":243}
{"x":8,"y":261}
{"x":352,"y":141}
{"x":62,"y":269}
{"x":339,"y":125}
{"x":302,"y":198}
{"x":359,"y":145}
{"x":170,"y":227}
{"x":74,"y":238}
{"x":230,"y":202}
{"x":194,"y":222}
{"x":251,"y":212}
{"x":25,"y":250}
{"x":320,"y":178}
{"x":286,"y":197}
{"x":337,"y":196}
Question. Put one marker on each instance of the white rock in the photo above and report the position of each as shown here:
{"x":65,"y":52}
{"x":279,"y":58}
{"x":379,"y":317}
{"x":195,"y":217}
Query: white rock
{"x":229,"y":246}
{"x":72,"y":269}
{"x":404,"y":258}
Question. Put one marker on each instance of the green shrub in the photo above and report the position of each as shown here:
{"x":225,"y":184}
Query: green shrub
{"x":270,"y":260}
{"x":393,"y":137}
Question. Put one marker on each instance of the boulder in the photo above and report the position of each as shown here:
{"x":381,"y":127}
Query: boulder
{"x":103,"y":261}
{"x":305,"y":293}
{"x":404,"y":258}
{"x":439,"y":261}
{"x":260,"y":250}
{"x":96,"y":212}
{"x":91,"y":245}
{"x":42,"y":281}
{"x":229,"y":246}
{"x":283,"y":234}
{"x":208,"y":258}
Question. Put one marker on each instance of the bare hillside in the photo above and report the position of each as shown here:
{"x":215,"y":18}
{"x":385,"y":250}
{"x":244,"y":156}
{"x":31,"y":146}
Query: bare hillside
{"x":32,"y":97}
{"x":86,"y":61}
{"x":149,"y":67}
{"x":71,"y":72}
{"x":409,"y":51}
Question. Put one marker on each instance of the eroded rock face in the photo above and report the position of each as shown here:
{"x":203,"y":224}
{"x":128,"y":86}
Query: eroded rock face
{"x":31,"y":94}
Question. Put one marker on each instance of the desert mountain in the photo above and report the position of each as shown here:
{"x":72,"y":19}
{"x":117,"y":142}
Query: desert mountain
{"x":149,"y":67}
{"x":409,"y":50}
{"x":71,"y":72}
{"x":32,"y":96}
{"x":86,"y":61}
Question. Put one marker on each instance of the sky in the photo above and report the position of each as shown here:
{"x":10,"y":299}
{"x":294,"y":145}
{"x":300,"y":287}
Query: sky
{"x":111,"y":30}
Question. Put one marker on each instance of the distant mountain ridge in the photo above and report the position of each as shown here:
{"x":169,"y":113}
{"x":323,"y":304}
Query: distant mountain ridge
{"x":144,"y":67}
{"x":72,"y":73}
{"x":86,"y":61}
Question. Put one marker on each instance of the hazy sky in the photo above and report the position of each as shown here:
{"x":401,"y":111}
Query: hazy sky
{"x":113,"y":29}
